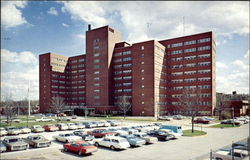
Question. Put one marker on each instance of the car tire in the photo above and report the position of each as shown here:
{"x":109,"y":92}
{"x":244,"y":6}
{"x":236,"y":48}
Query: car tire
{"x":67,"y":141}
{"x":65,"y":149}
{"x":96,"y":144}
{"x":80,"y":153}
{"x":112,"y":148}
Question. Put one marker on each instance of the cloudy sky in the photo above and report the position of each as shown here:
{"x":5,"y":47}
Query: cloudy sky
{"x":32,"y":28}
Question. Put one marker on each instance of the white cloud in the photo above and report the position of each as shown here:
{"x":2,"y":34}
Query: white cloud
{"x":25,"y":57}
{"x":65,"y":25}
{"x":241,"y":64}
{"x":82,"y":36}
{"x":246,"y":56}
{"x":52,"y":11}
{"x":221,"y":65}
{"x":11,"y":15}
{"x":17,"y":69}
{"x":165,"y":18}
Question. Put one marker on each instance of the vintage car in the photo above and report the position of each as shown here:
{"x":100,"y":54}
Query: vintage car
{"x":15,"y":144}
{"x":99,"y":133}
{"x":89,"y":124}
{"x":80,"y":147}
{"x":112,"y":142}
{"x":3,"y":147}
{"x":3,"y":132}
{"x":130,"y":130}
{"x":24,"y":129}
{"x":50,"y":128}
{"x":201,"y":120}
{"x":146,"y":137}
{"x":117,"y":131}
{"x":37,"y":141}
{"x":161,"y":135}
{"x":67,"y":137}
{"x":71,"y":126}
{"x":84,"y":135}
{"x":13,"y":130}
{"x":62,"y":126}
{"x":113,"y":123}
{"x":37,"y":128}
{"x":44,"y":119}
{"x":237,"y":154}
{"x":134,"y":140}
{"x":80,"y":125}
{"x":232,"y":121}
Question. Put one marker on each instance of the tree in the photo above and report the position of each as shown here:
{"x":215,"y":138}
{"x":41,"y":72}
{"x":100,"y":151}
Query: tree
{"x":124,"y":104}
{"x":222,"y":102}
{"x":8,"y":108}
{"x":57,"y":105}
{"x":190,"y":102}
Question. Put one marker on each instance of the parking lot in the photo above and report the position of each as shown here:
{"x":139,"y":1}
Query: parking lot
{"x":182,"y":148}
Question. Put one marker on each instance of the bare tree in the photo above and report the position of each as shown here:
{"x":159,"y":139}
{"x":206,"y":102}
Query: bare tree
{"x":190,"y":102}
{"x":57,"y":105}
{"x":124,"y":104}
{"x":222,"y":102}
{"x":8,"y":108}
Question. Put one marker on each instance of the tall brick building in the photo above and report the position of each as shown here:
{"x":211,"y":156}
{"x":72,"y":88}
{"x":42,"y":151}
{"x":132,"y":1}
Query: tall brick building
{"x":152,"y":74}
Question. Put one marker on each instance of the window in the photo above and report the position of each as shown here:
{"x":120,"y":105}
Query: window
{"x":96,"y":66}
{"x":96,"y":54}
{"x":176,"y":45}
{"x":96,"y":84}
{"x":204,"y":56}
{"x":190,"y":42}
{"x":118,"y":60}
{"x":142,"y":55}
{"x":142,"y":102}
{"x":142,"y":78}
{"x":204,"y":40}
{"x":81,"y":60}
{"x":142,"y":62}
{"x":127,"y":77}
{"x":127,"y":65}
{"x":96,"y":97}
{"x":96,"y":78}
{"x":97,"y":90}
{"x":142,"y":47}
{"x":204,"y":63}
{"x":97,"y":72}
{"x":81,"y":65}
{"x":142,"y":71}
{"x":127,"y":71}
{"x":96,"y":47}
{"x":127,"y":53}
{"x":118,"y":66}
{"x":189,"y":50}
{"x":96,"y":60}
{"x":127,"y":59}
{"x":117,"y":54}
{"x":176,"y":52}
{"x":203,"y":48}
{"x":127,"y":84}
{"x":142,"y":86}
{"x":127,"y":90}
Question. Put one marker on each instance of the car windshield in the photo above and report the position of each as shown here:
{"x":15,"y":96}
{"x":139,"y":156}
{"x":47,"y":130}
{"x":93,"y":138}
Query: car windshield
{"x":37,"y":127}
{"x":67,"y":135}
{"x":37,"y":138}
{"x":15,"y":140}
{"x":85,"y":144}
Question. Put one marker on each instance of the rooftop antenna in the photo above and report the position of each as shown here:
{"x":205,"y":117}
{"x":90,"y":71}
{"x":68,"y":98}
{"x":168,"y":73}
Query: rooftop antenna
{"x":183,"y":25}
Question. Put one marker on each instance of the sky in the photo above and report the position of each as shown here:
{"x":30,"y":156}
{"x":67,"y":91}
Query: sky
{"x":30,"y":28}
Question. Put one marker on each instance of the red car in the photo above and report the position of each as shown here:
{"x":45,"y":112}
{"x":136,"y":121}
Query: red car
{"x":50,"y":128}
{"x":99,"y":133}
{"x":201,"y":120}
{"x":80,"y":147}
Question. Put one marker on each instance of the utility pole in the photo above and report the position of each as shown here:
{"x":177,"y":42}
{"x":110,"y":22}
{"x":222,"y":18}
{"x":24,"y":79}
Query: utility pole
{"x":29,"y":98}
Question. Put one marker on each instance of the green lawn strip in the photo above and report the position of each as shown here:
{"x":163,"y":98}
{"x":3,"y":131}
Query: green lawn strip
{"x":24,"y":124}
{"x":126,"y":119}
{"x":195,"y":133}
{"x":224,"y":126}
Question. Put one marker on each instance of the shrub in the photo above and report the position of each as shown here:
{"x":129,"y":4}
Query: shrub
{"x":225,"y":115}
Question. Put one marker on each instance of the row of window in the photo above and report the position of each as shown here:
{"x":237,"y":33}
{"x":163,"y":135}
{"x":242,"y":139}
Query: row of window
{"x":190,"y":103}
{"x":120,"y":72}
{"x":191,"y":87}
{"x":191,"y":50}
{"x":122,"y":65}
{"x":122,"y":53}
{"x":123,"y":59}
{"x":200,"y":95}
{"x":190,"y":72}
{"x":122,"y":90}
{"x":125,"y":78}
{"x":190,"y":42}
{"x":191,"y":57}
{"x":58,"y":59}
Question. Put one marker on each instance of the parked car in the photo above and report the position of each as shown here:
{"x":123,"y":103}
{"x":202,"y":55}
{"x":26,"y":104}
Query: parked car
{"x":50,"y":115}
{"x":74,"y":117}
{"x":24,"y":129}
{"x":62,"y":115}
{"x":44,"y":119}
{"x":113,"y":123}
{"x":37,"y":141}
{"x":16,"y":120}
{"x":134,"y":140}
{"x":89,"y":124}
{"x":99,"y":133}
{"x":146,"y":137}
{"x":238,"y":154}
{"x":37,"y":128}
{"x":201,"y":120}
{"x":130,"y":130}
{"x":50,"y":128}
{"x":15,"y":144}
{"x":64,"y":119}
{"x":80,"y":147}
{"x":72,"y":126}
{"x":67,"y":137}
{"x":231,"y":121}
{"x":113,"y":142}
{"x":80,"y":125}
{"x":160,"y":135}
{"x":242,"y":119}
{"x":84,"y":135}
{"x":3,"y":132}
{"x":178,"y":117}
{"x":117,"y":131}
{"x":3,"y":147}
{"x":105,"y":124}
{"x":13,"y":130}
{"x":62,"y":126}
{"x":167,"y":118}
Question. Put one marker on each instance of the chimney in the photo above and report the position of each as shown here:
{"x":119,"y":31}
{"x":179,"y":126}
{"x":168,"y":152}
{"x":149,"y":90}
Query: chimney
{"x":89,"y":27}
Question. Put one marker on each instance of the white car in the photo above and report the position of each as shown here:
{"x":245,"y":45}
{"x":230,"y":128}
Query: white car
{"x":113,"y":123}
{"x":24,"y":130}
{"x":37,"y":128}
{"x":113,"y":142}
{"x":62,"y":126}
{"x":80,"y":125}
{"x":130,"y":130}
{"x":72,"y":126}
{"x":105,"y":124}
{"x":67,"y":137}
{"x":44,"y":119}
{"x":146,"y":137}
{"x":13,"y":130}
{"x":227,"y":155}
{"x":3,"y":132}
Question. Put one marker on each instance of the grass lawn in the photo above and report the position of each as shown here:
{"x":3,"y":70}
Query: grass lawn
{"x":32,"y":123}
{"x":223,"y":126}
{"x":195,"y":133}
{"x":148,"y":119}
